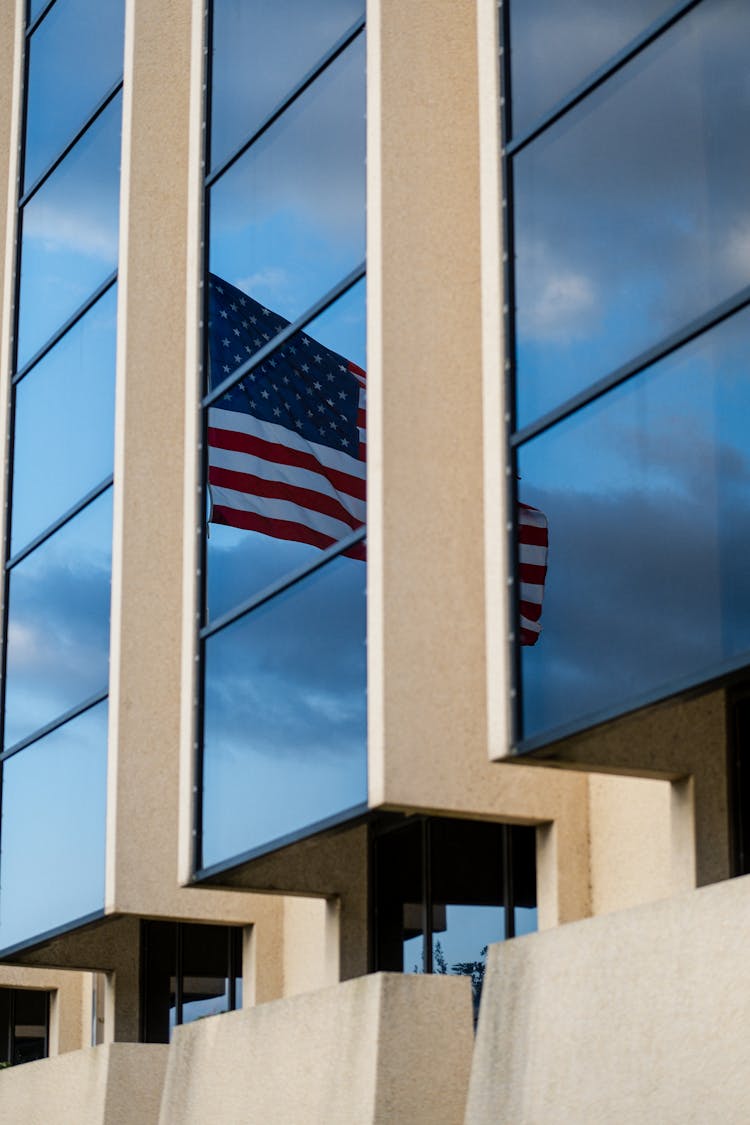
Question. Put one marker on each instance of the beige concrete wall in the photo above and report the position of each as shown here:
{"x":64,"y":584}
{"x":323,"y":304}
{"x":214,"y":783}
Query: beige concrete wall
{"x":382,"y":1049}
{"x":428,"y":498}
{"x":642,"y":844}
{"x":116,"y":1085}
{"x":632,"y":1017}
{"x":145,"y":778}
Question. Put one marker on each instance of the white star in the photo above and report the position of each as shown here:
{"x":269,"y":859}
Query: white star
{"x":318,"y":358}
{"x":276,"y":412}
{"x":298,"y":424}
{"x":264,"y":393}
{"x":225,"y":341}
{"x":342,"y":394}
{"x":305,"y":368}
{"x":318,"y":386}
{"x":233,"y":307}
{"x":344,"y":441}
{"x":224,"y":313}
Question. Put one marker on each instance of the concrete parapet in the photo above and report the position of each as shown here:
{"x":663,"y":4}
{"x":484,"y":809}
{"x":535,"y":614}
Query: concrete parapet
{"x":634,"y":1016}
{"x":380,"y":1050}
{"x":119,"y":1084}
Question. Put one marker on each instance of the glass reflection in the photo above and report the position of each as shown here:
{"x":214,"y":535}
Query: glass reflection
{"x":35,"y":7}
{"x":206,"y":969}
{"x":260,"y":52}
{"x":58,"y":622}
{"x":75,"y":56}
{"x":286,"y":448}
{"x":53,"y":817}
{"x":557,"y":44}
{"x":69,"y":241}
{"x":64,"y":419}
{"x":631,"y":213}
{"x":646,"y":495}
{"x":285,"y":714}
{"x":288,"y":219}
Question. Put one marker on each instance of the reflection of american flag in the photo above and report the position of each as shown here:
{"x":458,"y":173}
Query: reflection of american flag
{"x":533,"y":541}
{"x":286,"y":445}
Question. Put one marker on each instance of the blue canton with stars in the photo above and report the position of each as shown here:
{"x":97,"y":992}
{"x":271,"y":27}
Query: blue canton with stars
{"x":303,"y":386}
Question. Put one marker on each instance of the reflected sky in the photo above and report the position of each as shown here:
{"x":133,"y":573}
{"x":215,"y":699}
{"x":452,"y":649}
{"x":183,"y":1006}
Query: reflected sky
{"x":632,"y":215}
{"x":287,"y":222}
{"x":75,"y":57}
{"x":285,"y":713}
{"x":556,"y":44}
{"x":64,"y":419}
{"x":646,"y":494}
{"x":53,"y":819}
{"x":260,"y":52}
{"x":242,"y":561}
{"x":69,"y":236}
{"x":58,"y":622}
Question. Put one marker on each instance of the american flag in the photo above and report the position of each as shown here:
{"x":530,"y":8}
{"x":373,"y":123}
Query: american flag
{"x":533,"y":542}
{"x":287,"y":444}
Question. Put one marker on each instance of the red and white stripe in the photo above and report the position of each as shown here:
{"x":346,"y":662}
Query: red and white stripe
{"x":533,"y":544}
{"x":265,"y":477}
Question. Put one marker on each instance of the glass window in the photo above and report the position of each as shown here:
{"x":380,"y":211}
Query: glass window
{"x":75,"y":57}
{"x":24,"y":1025}
{"x":69,"y":234}
{"x":260,"y":52}
{"x":286,"y":448}
{"x":53,"y":821}
{"x":646,"y":497}
{"x":35,"y":7}
{"x":448,"y":877}
{"x":557,"y":44}
{"x":287,"y":221}
{"x":190,"y":971}
{"x":64,"y":423}
{"x":285,"y":714}
{"x":58,"y":622}
{"x":631,"y":212}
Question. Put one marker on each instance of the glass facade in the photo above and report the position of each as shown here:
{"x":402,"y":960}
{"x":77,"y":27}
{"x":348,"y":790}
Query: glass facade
{"x":627,"y":340}
{"x":283,"y":620}
{"x":24,"y":1025}
{"x":59,"y":530}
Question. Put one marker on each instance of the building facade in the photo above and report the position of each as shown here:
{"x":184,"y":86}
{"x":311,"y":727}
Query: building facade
{"x":374,"y":662}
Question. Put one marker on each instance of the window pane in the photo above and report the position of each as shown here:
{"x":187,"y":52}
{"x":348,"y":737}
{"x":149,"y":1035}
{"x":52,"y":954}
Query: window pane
{"x":260,"y":52}
{"x":159,"y":980}
{"x":288,"y":219}
{"x":523,"y":864}
{"x":58,"y":622}
{"x":285,"y":714}
{"x":399,"y":934}
{"x":69,"y":243}
{"x":645,"y":493}
{"x":75,"y":56}
{"x":205,"y":967}
{"x":632,"y":216}
{"x":53,"y":816}
{"x":35,"y":7}
{"x":64,"y":423}
{"x":557,"y":44}
{"x":286,"y":448}
{"x":31,"y":1016}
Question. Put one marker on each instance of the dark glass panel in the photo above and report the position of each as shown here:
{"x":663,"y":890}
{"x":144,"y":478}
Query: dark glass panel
{"x":286,"y":455}
{"x":69,"y":242}
{"x":159,"y":980}
{"x":6,"y":1026}
{"x":260,"y":52}
{"x":285,"y":714}
{"x":30,"y":1023}
{"x":53,"y":817}
{"x":523,"y":868}
{"x":288,"y":219}
{"x":75,"y":56}
{"x":64,"y":422}
{"x":632,"y":216}
{"x":556,"y":44}
{"x":467,"y":897}
{"x":399,"y":900}
{"x":205,"y":969}
{"x":646,"y":496}
{"x":58,"y":622}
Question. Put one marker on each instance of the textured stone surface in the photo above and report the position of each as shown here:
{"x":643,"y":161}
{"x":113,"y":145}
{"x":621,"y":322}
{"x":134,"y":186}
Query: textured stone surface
{"x":639,"y":1016}
{"x":380,"y":1050}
